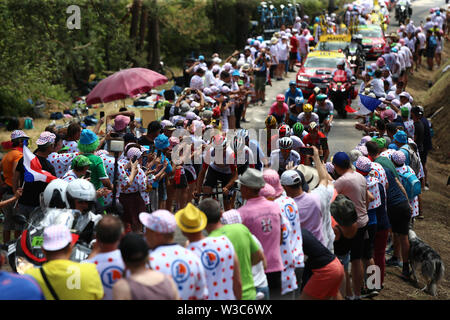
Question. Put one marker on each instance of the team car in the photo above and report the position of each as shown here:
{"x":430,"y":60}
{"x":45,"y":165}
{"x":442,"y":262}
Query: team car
{"x":333,"y":42}
{"x":373,"y":40}
{"x":317,"y":70}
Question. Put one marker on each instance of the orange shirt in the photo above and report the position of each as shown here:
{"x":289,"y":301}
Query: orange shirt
{"x":8,"y":162}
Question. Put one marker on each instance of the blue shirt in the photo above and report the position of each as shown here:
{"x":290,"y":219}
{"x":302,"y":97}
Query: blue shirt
{"x":395,"y":196}
{"x":382,"y":217}
{"x":19,"y":287}
{"x":289,"y":97}
{"x":168,"y":170}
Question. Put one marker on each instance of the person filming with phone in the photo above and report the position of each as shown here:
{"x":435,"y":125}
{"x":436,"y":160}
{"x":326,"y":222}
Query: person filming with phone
{"x":317,"y":139}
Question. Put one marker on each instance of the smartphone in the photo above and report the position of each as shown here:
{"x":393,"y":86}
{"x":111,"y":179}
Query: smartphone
{"x":102,"y":114}
{"x":306,"y":151}
{"x":134,"y":159}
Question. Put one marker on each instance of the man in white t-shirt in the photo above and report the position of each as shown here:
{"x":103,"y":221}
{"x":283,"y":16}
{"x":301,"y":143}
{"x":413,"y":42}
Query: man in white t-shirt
{"x":106,"y":255}
{"x":216,"y":254}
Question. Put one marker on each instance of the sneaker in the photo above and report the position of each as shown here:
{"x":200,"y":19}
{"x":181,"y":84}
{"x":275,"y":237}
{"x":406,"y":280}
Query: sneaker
{"x":369,"y":293}
{"x":394,"y":262}
{"x":243,"y":120}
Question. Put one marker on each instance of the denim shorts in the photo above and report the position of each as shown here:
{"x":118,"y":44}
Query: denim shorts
{"x":345,"y":260}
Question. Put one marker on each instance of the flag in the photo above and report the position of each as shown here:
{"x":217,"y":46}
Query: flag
{"x":369,"y":102}
{"x":33,"y":169}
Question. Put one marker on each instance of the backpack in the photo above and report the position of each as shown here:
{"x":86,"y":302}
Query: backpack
{"x":414,"y":161}
{"x":411,"y":183}
{"x":432,"y":42}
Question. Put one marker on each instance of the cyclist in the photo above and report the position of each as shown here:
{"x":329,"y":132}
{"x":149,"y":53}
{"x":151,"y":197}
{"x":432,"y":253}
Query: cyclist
{"x":259,"y":157}
{"x":279,"y":109}
{"x":292,"y":93}
{"x":295,"y":109}
{"x":218,"y":169}
{"x":284,"y":156}
{"x":312,"y":97}
{"x":243,"y":154}
{"x":324,"y":109}
{"x":296,"y":140}
{"x":298,"y":130}
{"x":316,"y":138}
{"x":308,"y":116}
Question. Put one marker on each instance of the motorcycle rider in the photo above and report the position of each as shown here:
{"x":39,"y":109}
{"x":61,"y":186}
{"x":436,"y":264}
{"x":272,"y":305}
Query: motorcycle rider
{"x":404,"y":3}
{"x":324,"y":108}
{"x":356,"y":41}
{"x":341,"y":66}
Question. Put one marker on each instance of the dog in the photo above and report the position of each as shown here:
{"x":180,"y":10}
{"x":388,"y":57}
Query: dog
{"x":422,"y":256}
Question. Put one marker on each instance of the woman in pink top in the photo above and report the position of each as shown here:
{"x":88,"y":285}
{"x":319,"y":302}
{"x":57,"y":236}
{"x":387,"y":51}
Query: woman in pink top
{"x":262,"y":217}
{"x":280,"y":110}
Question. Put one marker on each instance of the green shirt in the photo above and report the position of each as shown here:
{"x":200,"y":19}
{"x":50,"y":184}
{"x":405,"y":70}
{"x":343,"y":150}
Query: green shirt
{"x":244,"y":245}
{"x":386,"y":163}
{"x":98,"y":172}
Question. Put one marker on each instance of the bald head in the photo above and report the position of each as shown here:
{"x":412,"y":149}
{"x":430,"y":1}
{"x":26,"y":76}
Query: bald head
{"x":109,"y":229}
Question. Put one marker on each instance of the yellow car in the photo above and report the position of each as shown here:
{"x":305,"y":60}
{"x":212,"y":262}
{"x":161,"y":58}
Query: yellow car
{"x":333,"y":43}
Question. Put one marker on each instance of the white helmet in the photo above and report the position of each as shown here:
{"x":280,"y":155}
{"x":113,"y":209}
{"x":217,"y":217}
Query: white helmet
{"x":81,"y":189}
{"x":54,"y":195}
{"x":285,"y":143}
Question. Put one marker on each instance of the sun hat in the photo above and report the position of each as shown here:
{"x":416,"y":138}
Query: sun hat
{"x":396,"y":103}
{"x":363,"y":150}
{"x":389,"y":114}
{"x":354,"y":155}
{"x":252,"y":178}
{"x":162,"y":142}
{"x":405,"y":94}
{"x":272,"y":177}
{"x":16,"y":134}
{"x":57,"y":237}
{"x":290,"y":178}
{"x":364,"y":140}
{"x":87,"y":137}
{"x":236,"y":73}
{"x":267,"y":192}
{"x":390,"y":97}
{"x":133,"y":247}
{"x":134,"y":152}
{"x":173,"y":141}
{"x":339,"y":158}
{"x":381,"y":142}
{"x":161,"y":221}
{"x":80,"y":161}
{"x":398,"y":157}
{"x":230,"y":217}
{"x":363,"y":164}
{"x":45,"y":137}
{"x":274,"y":40}
{"x":401,"y":137}
{"x":121,"y":122}
{"x":310,"y":174}
{"x":190,"y":219}
{"x":343,"y":211}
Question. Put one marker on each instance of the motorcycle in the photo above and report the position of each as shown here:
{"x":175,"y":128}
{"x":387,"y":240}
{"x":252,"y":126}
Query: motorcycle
{"x":26,"y":251}
{"x":340,"y":92}
{"x":356,"y":59}
{"x":402,"y":12}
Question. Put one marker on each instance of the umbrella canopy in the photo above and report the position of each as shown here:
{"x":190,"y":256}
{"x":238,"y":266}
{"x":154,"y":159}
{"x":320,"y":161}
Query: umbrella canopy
{"x":125,"y":83}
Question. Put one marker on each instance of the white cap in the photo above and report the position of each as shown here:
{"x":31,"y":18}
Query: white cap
{"x":290,"y":178}
{"x":56,"y":237}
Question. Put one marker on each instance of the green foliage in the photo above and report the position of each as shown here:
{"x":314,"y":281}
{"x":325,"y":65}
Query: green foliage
{"x":11,"y":104}
{"x":314,"y":7}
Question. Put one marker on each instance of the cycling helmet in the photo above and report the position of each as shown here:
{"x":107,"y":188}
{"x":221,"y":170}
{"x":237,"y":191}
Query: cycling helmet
{"x":280,"y":98}
{"x":321,"y":97}
{"x":298,"y":128}
{"x":271,"y":121}
{"x":238,"y":143}
{"x":54,"y":195}
{"x":285,"y":143}
{"x":292,"y":83}
{"x":80,"y":161}
{"x":242,"y":133}
{"x":307,"y":108}
{"x":284,"y":131}
{"x":219,"y":140}
{"x":299,"y":101}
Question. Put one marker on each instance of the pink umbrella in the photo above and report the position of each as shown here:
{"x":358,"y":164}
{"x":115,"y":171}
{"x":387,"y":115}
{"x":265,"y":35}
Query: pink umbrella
{"x":125,"y":83}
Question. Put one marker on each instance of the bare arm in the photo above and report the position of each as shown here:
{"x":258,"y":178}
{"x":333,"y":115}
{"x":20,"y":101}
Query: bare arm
{"x":321,"y":170}
{"x":237,"y":283}
{"x":121,"y":290}
{"x":257,"y":257}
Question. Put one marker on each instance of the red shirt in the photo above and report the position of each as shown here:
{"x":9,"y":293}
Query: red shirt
{"x":316,"y":142}
{"x":294,"y":44}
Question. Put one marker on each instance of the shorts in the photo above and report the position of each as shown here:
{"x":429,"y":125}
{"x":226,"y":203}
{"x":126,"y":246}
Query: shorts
{"x":370,"y":242}
{"x":357,"y":248}
{"x":402,"y":73}
{"x":423,"y":157}
{"x":213,"y":177}
{"x":325,"y":282}
{"x":293,"y":56}
{"x":421,"y":52}
{"x":399,"y":217}
{"x":345,"y":260}
{"x":265,"y":291}
{"x":183,"y":182}
{"x":9,"y":212}
{"x":260,"y":83}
